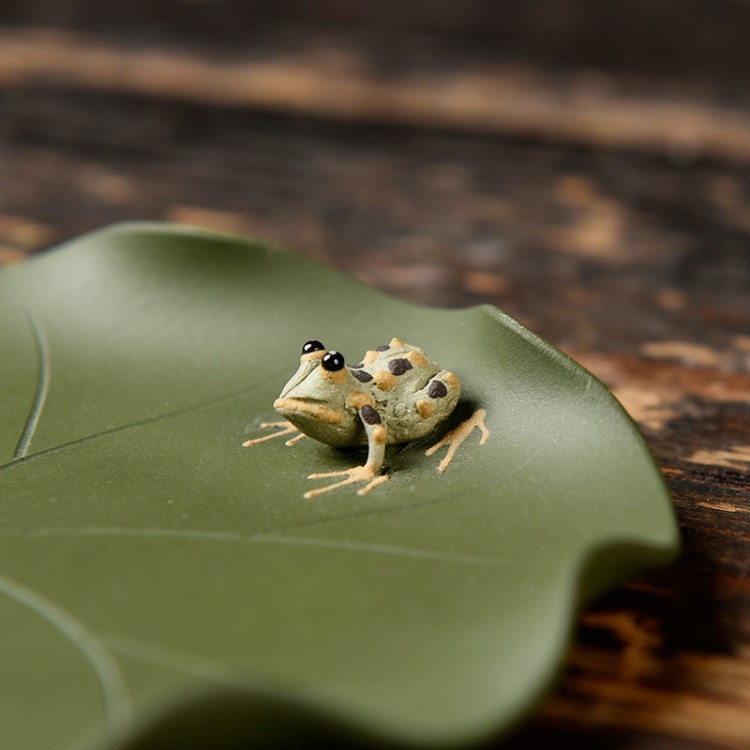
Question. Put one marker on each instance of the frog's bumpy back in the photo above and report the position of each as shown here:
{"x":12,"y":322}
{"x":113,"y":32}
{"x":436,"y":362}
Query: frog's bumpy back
{"x":413,"y":391}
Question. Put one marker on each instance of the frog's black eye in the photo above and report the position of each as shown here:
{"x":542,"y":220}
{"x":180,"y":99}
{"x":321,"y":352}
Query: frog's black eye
{"x":333,"y":361}
{"x":312,"y":346}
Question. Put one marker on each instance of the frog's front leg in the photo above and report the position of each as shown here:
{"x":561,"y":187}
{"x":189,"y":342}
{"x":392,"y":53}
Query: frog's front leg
{"x":377,"y":437}
{"x":287,"y":428}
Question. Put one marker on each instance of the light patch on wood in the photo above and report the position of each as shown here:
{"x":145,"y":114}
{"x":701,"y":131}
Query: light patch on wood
{"x":737,"y":458}
{"x":10,"y":255}
{"x":726,"y":393}
{"x":494,"y":98}
{"x":447,"y":178}
{"x":594,"y":235}
{"x":575,"y":190}
{"x":222,"y":221}
{"x":652,"y":409}
{"x":407,"y":275}
{"x":485,"y":282}
{"x":671,"y":299}
{"x":18,"y":230}
{"x":726,"y":192}
{"x":723,"y":507}
{"x":598,"y":225}
{"x":723,"y":675}
{"x":684,"y":351}
{"x":640,"y":637}
{"x":714,"y":711}
{"x":107,"y":186}
{"x":654,"y":395}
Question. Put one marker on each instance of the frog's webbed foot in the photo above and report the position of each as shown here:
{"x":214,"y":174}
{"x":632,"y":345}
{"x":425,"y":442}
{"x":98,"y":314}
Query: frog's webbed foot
{"x":457,"y":435}
{"x":355,"y":475}
{"x":287,"y":428}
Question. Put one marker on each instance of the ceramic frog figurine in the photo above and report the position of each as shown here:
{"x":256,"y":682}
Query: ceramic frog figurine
{"x":394,"y":395}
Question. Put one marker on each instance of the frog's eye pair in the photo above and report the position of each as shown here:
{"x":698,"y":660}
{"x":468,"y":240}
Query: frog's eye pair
{"x":332,"y":361}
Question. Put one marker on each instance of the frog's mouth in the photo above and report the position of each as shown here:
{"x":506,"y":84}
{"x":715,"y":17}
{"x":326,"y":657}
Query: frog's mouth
{"x":324,"y":414}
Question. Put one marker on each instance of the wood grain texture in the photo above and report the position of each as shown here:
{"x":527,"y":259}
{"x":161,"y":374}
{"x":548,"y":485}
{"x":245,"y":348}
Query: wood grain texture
{"x":342,"y":77}
{"x":664,"y":662}
{"x":629,"y":252}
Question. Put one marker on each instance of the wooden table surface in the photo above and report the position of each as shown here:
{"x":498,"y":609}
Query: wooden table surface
{"x":584,"y":166}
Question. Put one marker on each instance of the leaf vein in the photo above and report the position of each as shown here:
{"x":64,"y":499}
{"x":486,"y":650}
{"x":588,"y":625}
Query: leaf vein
{"x":40,"y":395}
{"x":267,"y":538}
{"x":24,"y":459}
{"x":114,"y":692}
{"x":178,"y":661}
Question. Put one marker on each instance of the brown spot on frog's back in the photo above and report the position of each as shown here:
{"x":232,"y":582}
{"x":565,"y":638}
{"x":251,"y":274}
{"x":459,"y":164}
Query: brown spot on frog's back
{"x":370,"y":415}
{"x":399,"y":366}
{"x":437,"y":389}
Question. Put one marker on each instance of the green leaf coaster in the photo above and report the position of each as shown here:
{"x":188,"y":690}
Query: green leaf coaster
{"x":160,"y":583}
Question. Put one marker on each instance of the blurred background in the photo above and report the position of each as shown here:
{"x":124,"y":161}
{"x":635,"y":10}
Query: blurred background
{"x":582,"y":164}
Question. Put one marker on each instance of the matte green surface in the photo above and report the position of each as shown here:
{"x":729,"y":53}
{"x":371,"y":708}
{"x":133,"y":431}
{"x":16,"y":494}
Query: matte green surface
{"x":148,"y":561}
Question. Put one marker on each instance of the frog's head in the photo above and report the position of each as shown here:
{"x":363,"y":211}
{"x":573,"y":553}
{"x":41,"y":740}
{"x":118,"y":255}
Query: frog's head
{"x":314,"y":397}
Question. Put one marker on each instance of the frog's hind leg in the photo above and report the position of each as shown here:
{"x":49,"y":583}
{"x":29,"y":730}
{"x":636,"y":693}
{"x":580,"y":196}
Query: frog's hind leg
{"x":455,"y":437}
{"x":435,"y":402}
{"x":287,"y":428}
